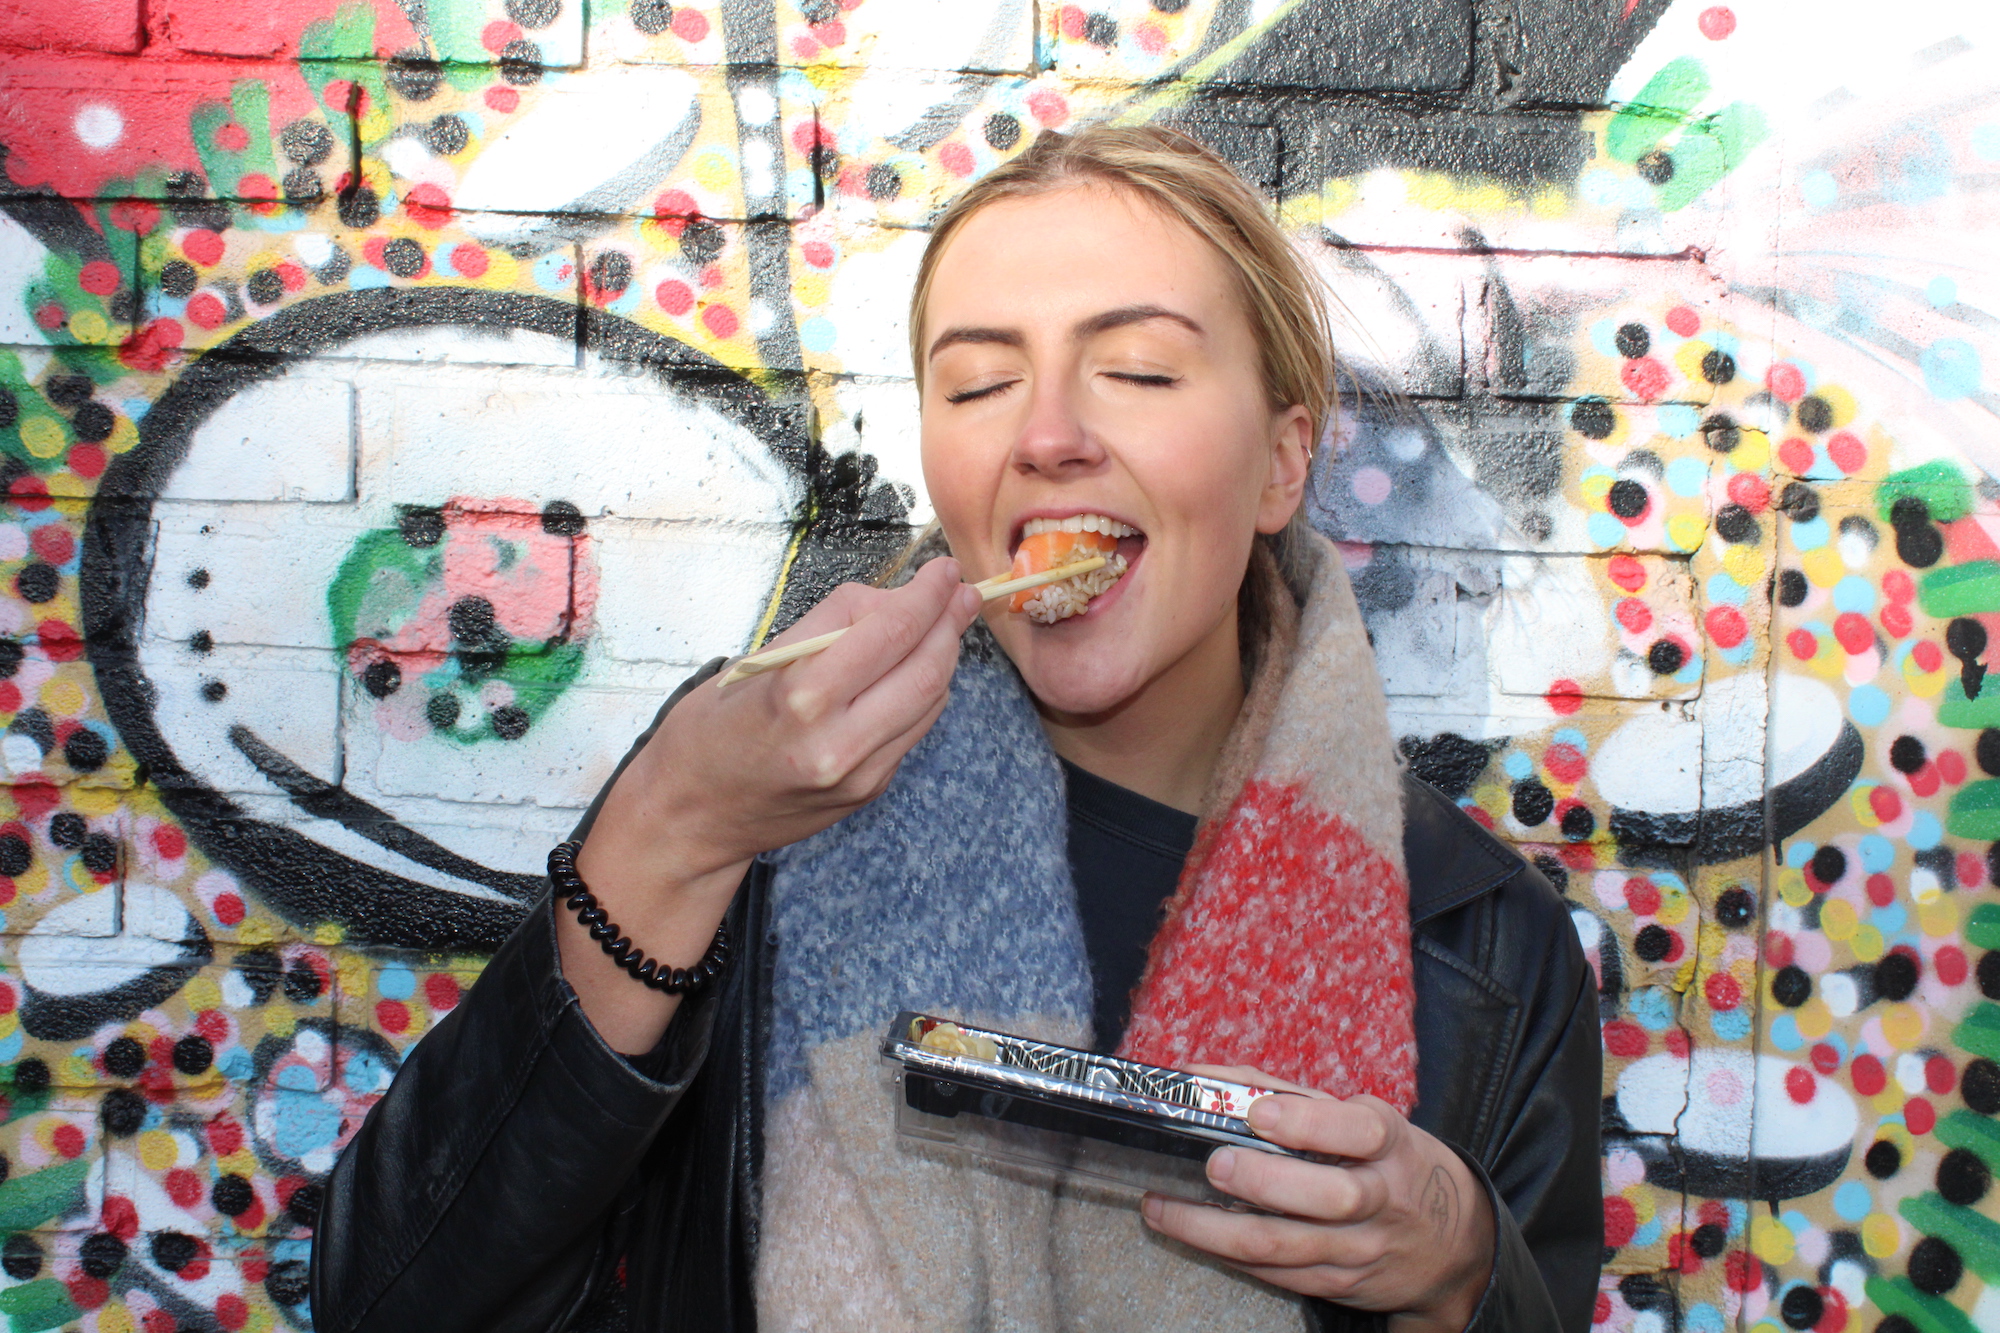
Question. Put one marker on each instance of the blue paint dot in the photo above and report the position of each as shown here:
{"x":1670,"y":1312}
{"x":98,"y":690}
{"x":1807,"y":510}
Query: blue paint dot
{"x":1738,"y":655}
{"x":1571,"y":737}
{"x":1951,"y":368}
{"x":1648,"y":1234}
{"x":1725,"y":590}
{"x":1651,"y":1010}
{"x":1889,"y":919}
{"x":1691,"y":673}
{"x":364,"y":1074}
{"x":10,"y":1046}
{"x":1877,"y":853}
{"x":1855,"y":594}
{"x":297,"y":1078}
{"x":1925,"y":831}
{"x":1986,"y":142}
{"x":818,"y":334}
{"x":1518,"y":765}
{"x":396,"y":983}
{"x":1687,"y":476}
{"x":1605,"y":531}
{"x":236,"y":1065}
{"x":1809,"y":536}
{"x":1798,"y":1224}
{"x":136,"y":408}
{"x":1820,"y":189}
{"x":304,"y":1123}
{"x":365,"y":277}
{"x":1604,"y":338}
{"x":1732,"y":1025}
{"x":1800,"y":854}
{"x":555,"y":271}
{"x":1941,"y":292}
{"x":1868,"y":705}
{"x":1785,"y":1033}
{"x":1704,"y":1318}
{"x":1677,"y":420}
{"x":1668,"y":882}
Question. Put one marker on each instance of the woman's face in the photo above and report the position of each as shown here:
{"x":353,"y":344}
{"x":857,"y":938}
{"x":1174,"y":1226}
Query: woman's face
{"x":1088,"y":355}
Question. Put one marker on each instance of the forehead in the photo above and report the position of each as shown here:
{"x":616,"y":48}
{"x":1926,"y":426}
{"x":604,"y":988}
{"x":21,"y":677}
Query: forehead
{"x":1071,"y":253}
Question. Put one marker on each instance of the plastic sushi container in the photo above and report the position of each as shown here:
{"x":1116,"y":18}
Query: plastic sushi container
{"x":1067,"y":1113}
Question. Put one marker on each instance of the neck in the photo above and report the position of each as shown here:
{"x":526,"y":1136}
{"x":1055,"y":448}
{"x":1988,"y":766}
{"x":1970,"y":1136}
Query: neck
{"x":1165,"y":741}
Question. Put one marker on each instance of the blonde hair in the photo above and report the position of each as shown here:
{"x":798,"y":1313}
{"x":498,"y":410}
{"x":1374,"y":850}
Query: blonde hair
{"x":1184,"y":179}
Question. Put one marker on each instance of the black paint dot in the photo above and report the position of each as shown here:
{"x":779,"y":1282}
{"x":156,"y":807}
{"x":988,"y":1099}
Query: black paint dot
{"x":359,"y":207}
{"x":100,"y":853}
{"x":1733,"y":523}
{"x":1813,"y":413}
{"x":193,"y":1054}
{"x":21,"y":1257}
{"x":1799,"y":502}
{"x":202,"y":642}
{"x":68,"y":830}
{"x":85,"y":751}
{"x":1592,"y":418}
{"x":1653,"y":943}
{"x":306,"y":142}
{"x":382,"y":678}
{"x":1532,"y":802}
{"x":441,"y":711}
{"x":1633,"y":340}
{"x":1718,"y":367}
{"x":214,"y":691}
{"x":1666,"y":657}
{"x":37,"y":583}
{"x":1918,"y":544}
{"x":884,"y":182}
{"x":1965,"y":639}
{"x":1792,"y":987}
{"x":1656,"y":167}
{"x":652,"y":17}
{"x":1791,"y":587}
{"x":1988,"y":972}
{"x":1100,"y":29}
{"x":611,"y":272}
{"x":124,"y":1057}
{"x":1578,"y":823}
{"x":232,"y":1195}
{"x":1721,"y":433}
{"x":560,"y":518}
{"x":101,"y":1254}
{"x":447,"y":136}
{"x":261,"y":971}
{"x":15,"y":856}
{"x":1002,"y":131}
{"x":471,"y":620}
{"x":303,"y":188}
{"x":289,"y":1281}
{"x":1627,"y":498}
{"x":1801,"y":1307}
{"x":1896,"y":976}
{"x":1883,"y":1159}
{"x":335,"y":270}
{"x":521,"y":63}
{"x":1829,"y":863}
{"x":1708,"y":1240}
{"x":305,"y":1204}
{"x":31,"y":1076}
{"x":67,"y":391}
{"x":534,"y":13}
{"x":421,"y":526}
{"x":1979,"y":1085}
{"x":303,"y":983}
{"x":414,"y":75}
{"x":1736,"y":908}
{"x":122,"y":1112}
{"x":174,"y":1250}
{"x":510,"y":722}
{"x":701,"y":241}
{"x":1963,"y":1177}
{"x":10,"y":658}
{"x":93,"y":423}
{"x":1906,"y":754}
{"x":1935,"y":1266}
{"x":403,"y":257}
{"x":197,"y":579}
{"x":1895,"y":1323}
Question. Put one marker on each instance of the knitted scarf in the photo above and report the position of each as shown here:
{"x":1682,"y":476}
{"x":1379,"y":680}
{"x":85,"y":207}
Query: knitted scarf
{"x":1285,"y":946}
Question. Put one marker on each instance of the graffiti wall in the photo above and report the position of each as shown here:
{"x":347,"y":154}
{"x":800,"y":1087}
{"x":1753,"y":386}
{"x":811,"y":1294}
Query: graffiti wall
{"x":397,"y":397}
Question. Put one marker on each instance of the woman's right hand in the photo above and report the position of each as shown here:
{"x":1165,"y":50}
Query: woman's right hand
{"x":764,"y":763}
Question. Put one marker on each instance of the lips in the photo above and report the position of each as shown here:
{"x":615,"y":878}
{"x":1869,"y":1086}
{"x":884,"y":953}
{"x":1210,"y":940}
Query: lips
{"x":1130,"y":539}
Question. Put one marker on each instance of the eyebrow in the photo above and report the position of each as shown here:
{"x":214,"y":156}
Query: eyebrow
{"x":1088,"y":328}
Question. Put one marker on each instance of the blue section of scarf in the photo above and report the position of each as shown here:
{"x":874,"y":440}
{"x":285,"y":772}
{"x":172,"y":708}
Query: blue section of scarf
{"x":950,"y":893}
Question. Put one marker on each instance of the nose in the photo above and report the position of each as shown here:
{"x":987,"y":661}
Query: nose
{"x":1054,"y":441}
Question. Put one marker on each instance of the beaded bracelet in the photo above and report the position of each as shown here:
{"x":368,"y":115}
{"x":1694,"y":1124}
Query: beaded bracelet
{"x":580,"y":900}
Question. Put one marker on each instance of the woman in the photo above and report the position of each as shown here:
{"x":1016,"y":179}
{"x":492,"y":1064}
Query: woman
{"x":1001,"y":824}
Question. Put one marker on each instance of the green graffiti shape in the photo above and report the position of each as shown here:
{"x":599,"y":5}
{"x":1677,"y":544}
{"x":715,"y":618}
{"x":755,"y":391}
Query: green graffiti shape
{"x":1980,"y":1032}
{"x":1940,"y":485}
{"x":28,"y":1201}
{"x":1897,"y":1296}
{"x":1972,"y":1132}
{"x":1983,"y":930}
{"x":34,"y":1306}
{"x":1961,"y":590}
{"x":1707,"y":150}
{"x":1976,"y":1238}
{"x":1975,"y":808}
{"x":1661,"y":107}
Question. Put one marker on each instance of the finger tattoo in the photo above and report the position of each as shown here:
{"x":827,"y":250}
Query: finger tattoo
{"x":1440,"y":1202}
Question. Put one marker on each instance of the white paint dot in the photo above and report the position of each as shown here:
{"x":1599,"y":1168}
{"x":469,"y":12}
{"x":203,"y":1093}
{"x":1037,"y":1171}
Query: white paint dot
{"x":1371,"y":485}
{"x":99,"y":126}
{"x":756,"y":106}
{"x":1837,"y":989}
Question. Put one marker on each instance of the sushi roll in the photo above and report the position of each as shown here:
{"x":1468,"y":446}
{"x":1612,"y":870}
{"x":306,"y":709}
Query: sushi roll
{"x":1050,"y":543}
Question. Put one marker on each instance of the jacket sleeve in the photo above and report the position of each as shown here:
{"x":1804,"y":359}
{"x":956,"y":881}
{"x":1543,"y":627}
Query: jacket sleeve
{"x":476,"y":1193}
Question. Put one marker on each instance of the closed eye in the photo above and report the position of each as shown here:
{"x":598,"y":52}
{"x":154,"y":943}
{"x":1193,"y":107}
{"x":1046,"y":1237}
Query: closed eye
{"x":986,"y":391}
{"x":1150,"y":381}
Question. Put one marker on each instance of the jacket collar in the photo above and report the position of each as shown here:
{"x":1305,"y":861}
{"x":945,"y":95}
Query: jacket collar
{"x":1450,"y":859}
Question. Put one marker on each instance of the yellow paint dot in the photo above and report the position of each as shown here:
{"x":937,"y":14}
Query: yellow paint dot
{"x":1840,"y":400}
{"x":242,"y":1162}
{"x":1673,"y":907}
{"x":257,"y":930}
{"x":1880,"y":1236}
{"x":123,"y":436}
{"x":1687,"y":358}
{"x":1867,"y":944}
{"x":43,"y":437}
{"x":94,"y":800}
{"x":327,"y":933}
{"x":1643,"y":1202}
{"x":373,"y":124}
{"x":9,"y":1022}
{"x":1792,"y":888}
{"x":1902,"y":1026}
{"x":1864,"y":813}
{"x":1823,"y":567}
{"x":202,"y":993}
{"x":713,"y":171}
{"x":1838,"y":920}
{"x":115,"y":1319}
{"x":88,"y":326}
{"x":69,"y":485}
{"x":1745,"y":564}
{"x":77,"y":1072}
{"x":1493,"y":799}
{"x":1594,"y":488}
{"x":1815,"y":1020}
{"x":352,"y":972}
{"x":1925,"y":684}
{"x":1686,"y":531}
{"x":1939,"y":916}
{"x":1753,"y":454}
{"x":158,"y":1150}
{"x":1771,"y":1240}
{"x":502,"y":271}
{"x":63,"y":696}
{"x":280,"y":1021}
{"x":811,"y":291}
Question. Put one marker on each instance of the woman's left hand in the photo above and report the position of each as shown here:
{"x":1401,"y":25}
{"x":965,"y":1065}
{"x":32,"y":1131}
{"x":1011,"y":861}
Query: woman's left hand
{"x":1403,"y":1227}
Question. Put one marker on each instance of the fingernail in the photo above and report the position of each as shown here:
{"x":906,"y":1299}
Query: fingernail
{"x":1222,"y":1165}
{"x":1151,"y":1207}
{"x":1264,"y":1113}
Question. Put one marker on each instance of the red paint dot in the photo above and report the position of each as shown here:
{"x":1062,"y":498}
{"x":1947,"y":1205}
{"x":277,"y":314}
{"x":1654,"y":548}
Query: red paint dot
{"x":1824,"y":1058}
{"x":62,"y":644}
{"x":231,"y":137}
{"x":1564,"y":697}
{"x":1848,"y":453}
{"x":87,"y":1292}
{"x":1598,"y":1315}
{"x":1898,"y":587}
{"x":1565,"y":763}
{"x":212,"y":1023}
{"x":292,"y":276}
{"x":1642,"y":896}
{"x":151,"y":348}
{"x":1881,"y":890}
{"x":1778,"y":949}
{"x":1800,"y":1085}
{"x":1867,"y":1075}
{"x":1627,"y":572}
{"x":469,"y":260}
{"x":10,"y":697}
{"x":1950,"y":965}
{"x":497,"y":34}
{"x":203,"y":246}
{"x":1786,"y":381}
{"x":1853,"y":632}
{"x":441,"y":992}
{"x":1626,"y":1040}
{"x":690,"y":25}
{"x":158,"y":1321}
{"x":1717,"y":22}
{"x":392,"y":1016}
{"x":99,"y":277}
{"x":1796,"y":455}
{"x":119,"y":1216}
{"x":1927,"y":655}
{"x":206,"y":311}
{"x":1724,"y":991}
{"x":1888,"y":806}
{"x":832,"y":33}
{"x":1676,"y":946}
{"x":956,"y":158}
{"x":804,"y":47}
{"x":1750,"y":490}
{"x":53,"y":542}
{"x":225,"y":1135}
{"x":1803,"y":643}
{"x":7,"y":999}
{"x":1683,"y":321}
{"x":1069,"y":22}
{"x":1677,"y":1043}
{"x":1479,"y":817}
{"x":68,"y":1140}
{"x":258,"y":188}
{"x":169,"y":842}
{"x":1048,"y":107}
{"x":817,"y":253}
{"x":1578,"y":856}
{"x":1919,"y":1116}
{"x":135,"y":216}
{"x":428,"y":206}
{"x":1621,"y":1220}
{"x":183,"y":1186}
{"x":720,"y":321}
{"x":1634,"y":615}
{"x":1743,"y":1271}
{"x":674,"y":297}
{"x":231,"y":1311}
{"x":1950,"y":766}
{"x":1895,"y":621}
{"x":1971,"y":870}
{"x":229,"y":909}
{"x":502,"y":100}
{"x":50,"y":315}
{"x":1152,"y":38}
{"x":1726,"y":626}
{"x":1645,"y":377}
{"x":1940,"y":1075}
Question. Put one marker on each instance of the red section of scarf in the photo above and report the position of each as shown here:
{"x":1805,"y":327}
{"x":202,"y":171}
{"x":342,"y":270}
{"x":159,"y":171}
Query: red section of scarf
{"x":1287,"y":947}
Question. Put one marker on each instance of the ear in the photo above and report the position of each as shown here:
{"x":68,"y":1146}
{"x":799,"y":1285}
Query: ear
{"x":1290,"y":464}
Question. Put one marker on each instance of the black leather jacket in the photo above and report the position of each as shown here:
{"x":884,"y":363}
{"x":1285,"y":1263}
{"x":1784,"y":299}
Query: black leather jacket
{"x":521,"y":1175}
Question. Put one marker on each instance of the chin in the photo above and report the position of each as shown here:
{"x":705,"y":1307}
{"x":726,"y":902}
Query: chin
{"x":1070,"y":672}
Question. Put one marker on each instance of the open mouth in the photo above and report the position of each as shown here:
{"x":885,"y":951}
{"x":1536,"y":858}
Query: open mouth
{"x":1049,"y":542}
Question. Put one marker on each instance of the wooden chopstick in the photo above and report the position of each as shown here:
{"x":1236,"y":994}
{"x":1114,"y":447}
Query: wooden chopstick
{"x":1000,"y":585}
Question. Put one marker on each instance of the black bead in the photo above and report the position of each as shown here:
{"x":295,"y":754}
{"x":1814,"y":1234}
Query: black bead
{"x":601,"y":930}
{"x":593,"y":915}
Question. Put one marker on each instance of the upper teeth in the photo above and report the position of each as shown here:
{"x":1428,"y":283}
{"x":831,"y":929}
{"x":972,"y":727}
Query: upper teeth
{"x":1110,"y":527}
